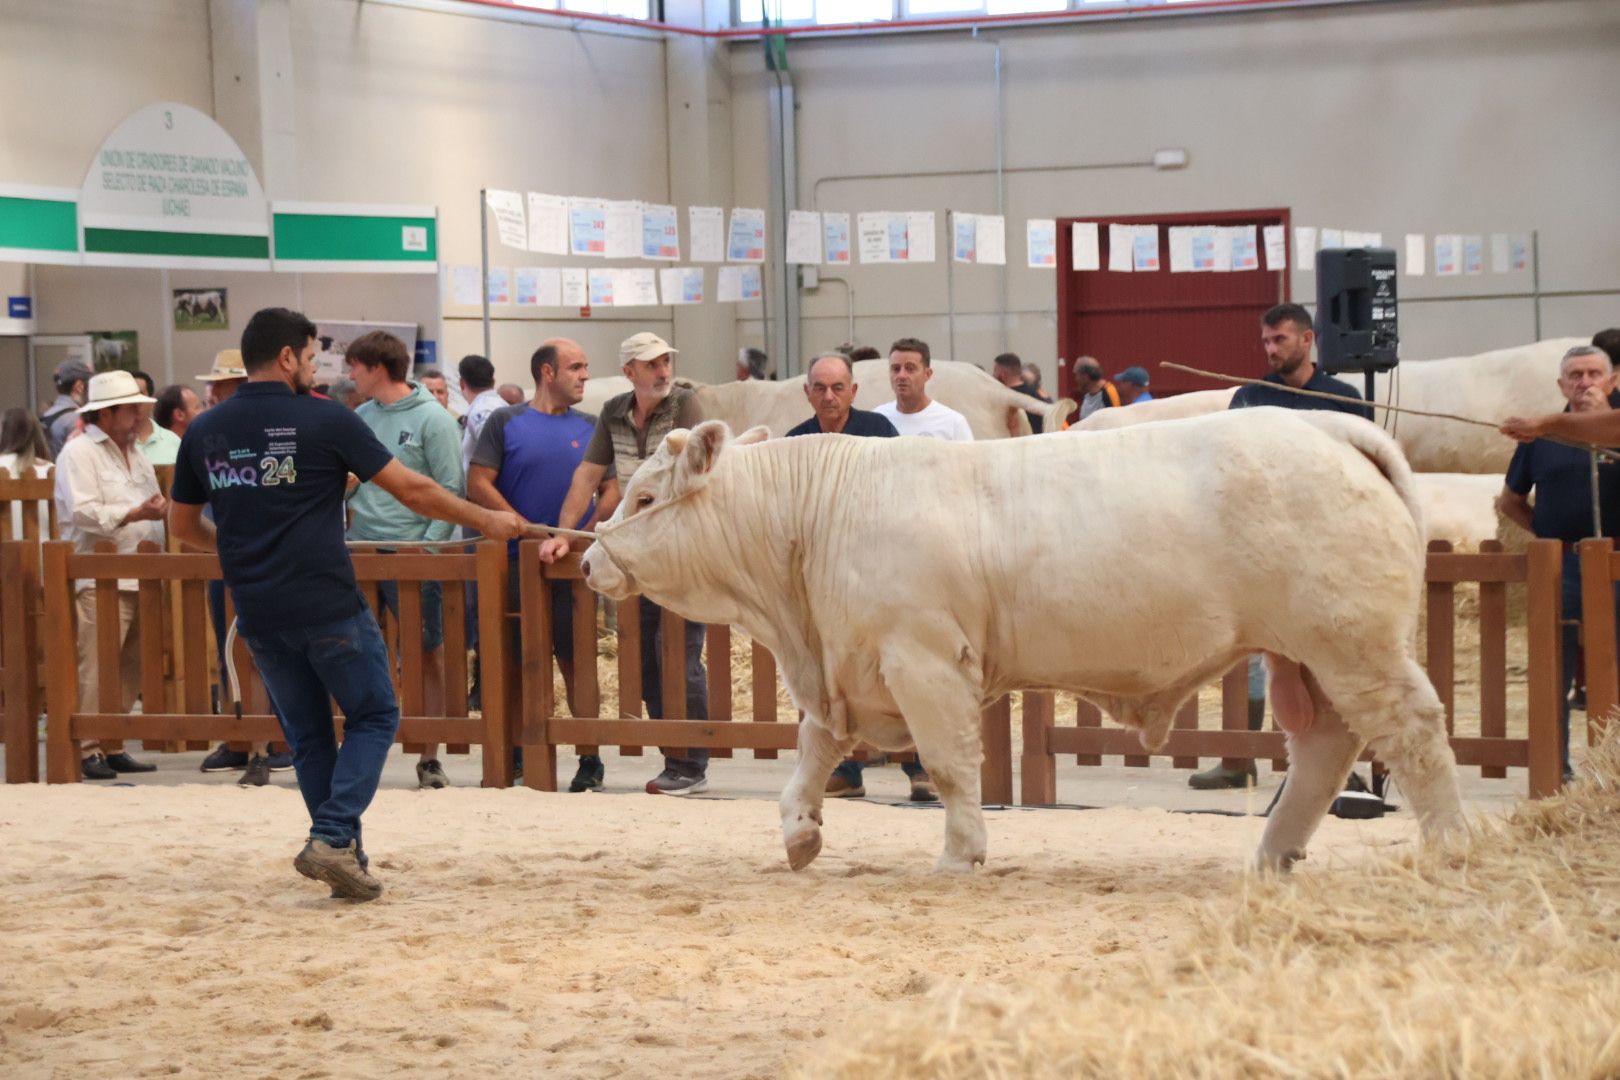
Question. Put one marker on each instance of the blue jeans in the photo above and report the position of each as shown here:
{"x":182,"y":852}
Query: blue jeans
{"x":1572,"y":645}
{"x":304,"y":669}
{"x":683,"y":759}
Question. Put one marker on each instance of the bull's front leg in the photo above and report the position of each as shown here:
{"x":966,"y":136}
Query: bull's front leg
{"x":819,"y":754}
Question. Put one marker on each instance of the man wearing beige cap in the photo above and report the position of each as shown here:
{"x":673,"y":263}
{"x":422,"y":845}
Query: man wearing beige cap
{"x":106,"y":490}
{"x":223,"y":378}
{"x":627,"y":433}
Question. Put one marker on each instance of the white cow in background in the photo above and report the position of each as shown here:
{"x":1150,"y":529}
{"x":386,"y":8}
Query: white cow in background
{"x":902,"y":583}
{"x":782,"y":405}
{"x":1460,"y":507}
{"x":1492,"y":386}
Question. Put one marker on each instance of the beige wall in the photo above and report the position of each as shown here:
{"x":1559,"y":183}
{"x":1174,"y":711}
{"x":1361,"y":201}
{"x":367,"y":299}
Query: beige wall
{"x":1422,"y":117}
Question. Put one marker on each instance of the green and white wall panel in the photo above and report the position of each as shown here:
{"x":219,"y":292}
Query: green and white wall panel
{"x":39,"y":224}
{"x":355,"y":238}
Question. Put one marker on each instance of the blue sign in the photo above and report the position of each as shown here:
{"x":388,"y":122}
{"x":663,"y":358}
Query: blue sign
{"x":19,"y":307}
{"x":427,"y":353}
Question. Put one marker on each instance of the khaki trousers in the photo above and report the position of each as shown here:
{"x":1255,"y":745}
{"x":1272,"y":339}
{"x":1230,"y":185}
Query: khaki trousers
{"x":129,"y":662}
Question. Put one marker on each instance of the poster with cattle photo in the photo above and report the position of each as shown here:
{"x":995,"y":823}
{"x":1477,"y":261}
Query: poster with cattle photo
{"x":200,"y":309}
{"x":332,"y":341}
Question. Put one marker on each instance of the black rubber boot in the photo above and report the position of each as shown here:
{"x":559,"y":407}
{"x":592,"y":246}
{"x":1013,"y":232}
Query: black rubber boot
{"x":1232,"y":773}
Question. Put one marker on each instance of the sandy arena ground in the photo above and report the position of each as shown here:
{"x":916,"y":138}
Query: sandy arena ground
{"x":159,"y":929}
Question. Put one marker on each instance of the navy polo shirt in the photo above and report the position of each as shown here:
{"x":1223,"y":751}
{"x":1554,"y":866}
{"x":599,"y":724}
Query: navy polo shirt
{"x":860,"y":422}
{"x":1321,"y":382}
{"x":273,"y":465}
{"x":1561,"y":477}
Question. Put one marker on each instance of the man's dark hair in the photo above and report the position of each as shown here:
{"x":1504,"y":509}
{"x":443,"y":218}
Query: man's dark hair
{"x":1293,"y":313}
{"x":477,"y":372}
{"x":755,"y":360}
{"x":1609,"y":341}
{"x":1088,"y":367}
{"x":429,"y":373}
{"x":146,"y":382}
{"x":381,"y":349}
{"x":271,"y":330}
{"x":544,"y":357}
{"x":1011,"y":362}
{"x":916,"y":345}
{"x":169,"y":402}
{"x":863,"y":352}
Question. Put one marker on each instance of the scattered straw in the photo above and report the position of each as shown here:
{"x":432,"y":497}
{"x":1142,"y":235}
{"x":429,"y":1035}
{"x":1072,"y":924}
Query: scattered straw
{"x":1498,"y":959}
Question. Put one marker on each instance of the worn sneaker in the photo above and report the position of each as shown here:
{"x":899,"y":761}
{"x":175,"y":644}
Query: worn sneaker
{"x":841,"y":786}
{"x":280,"y":761}
{"x":257,"y":773}
{"x":430,"y":774}
{"x":1219,"y":777}
{"x":338,"y":867}
{"x":588,"y":777}
{"x":122,"y":762}
{"x":95,"y":767}
{"x":922,"y":788}
{"x":676,"y":782}
{"x":224,"y":759}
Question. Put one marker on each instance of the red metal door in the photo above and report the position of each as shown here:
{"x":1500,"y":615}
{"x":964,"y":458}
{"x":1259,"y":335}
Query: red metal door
{"x":1206,"y":320}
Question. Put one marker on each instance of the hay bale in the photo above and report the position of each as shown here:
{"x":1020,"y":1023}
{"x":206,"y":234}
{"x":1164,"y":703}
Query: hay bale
{"x":1494,"y":959}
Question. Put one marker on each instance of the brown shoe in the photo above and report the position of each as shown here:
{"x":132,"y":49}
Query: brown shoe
{"x":922,"y":788}
{"x":338,"y":867}
{"x":839,"y":787}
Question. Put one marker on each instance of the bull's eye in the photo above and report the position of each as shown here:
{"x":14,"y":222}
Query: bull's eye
{"x":644,"y":500}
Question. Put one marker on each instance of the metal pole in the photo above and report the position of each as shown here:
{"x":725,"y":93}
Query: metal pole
{"x":950,"y":283}
{"x":483,"y":281}
{"x":1535,"y":276}
{"x":1597,"y":507}
{"x":1001,"y":202}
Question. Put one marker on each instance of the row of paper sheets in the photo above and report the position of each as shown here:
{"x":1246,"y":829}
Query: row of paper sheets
{"x":612,"y":229}
{"x":574,"y":287}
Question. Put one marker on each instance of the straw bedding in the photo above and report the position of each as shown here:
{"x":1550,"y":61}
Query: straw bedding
{"x":1498,"y":958}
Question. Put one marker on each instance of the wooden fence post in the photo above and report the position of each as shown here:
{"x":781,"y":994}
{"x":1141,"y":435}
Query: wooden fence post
{"x":1037,"y":776}
{"x":19,"y":582}
{"x":1440,"y":597}
{"x":493,"y":631}
{"x":1544,"y":682}
{"x":1597,"y":619}
{"x":1492,"y":660}
{"x":62,"y":675}
{"x":996,"y":775}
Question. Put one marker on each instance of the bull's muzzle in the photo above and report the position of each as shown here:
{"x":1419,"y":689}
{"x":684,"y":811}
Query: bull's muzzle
{"x":602,"y":574}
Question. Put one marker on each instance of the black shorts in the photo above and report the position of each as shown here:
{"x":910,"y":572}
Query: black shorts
{"x":562,"y":614}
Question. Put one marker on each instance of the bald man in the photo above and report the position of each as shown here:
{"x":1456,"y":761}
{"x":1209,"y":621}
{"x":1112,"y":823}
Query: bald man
{"x":524,"y":462}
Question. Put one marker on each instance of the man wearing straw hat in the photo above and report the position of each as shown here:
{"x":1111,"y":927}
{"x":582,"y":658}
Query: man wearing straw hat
{"x":223,"y":377}
{"x":107,"y":490}
{"x":273,"y":463}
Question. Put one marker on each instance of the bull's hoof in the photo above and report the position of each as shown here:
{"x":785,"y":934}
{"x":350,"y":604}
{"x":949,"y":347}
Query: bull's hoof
{"x":803,"y":847}
{"x":1280,"y":863}
{"x":957,"y":864}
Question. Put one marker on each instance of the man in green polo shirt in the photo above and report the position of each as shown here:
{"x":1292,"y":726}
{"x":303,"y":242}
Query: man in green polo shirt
{"x":628,"y":432}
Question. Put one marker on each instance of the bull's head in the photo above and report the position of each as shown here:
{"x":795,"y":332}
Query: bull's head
{"x":639,"y":549}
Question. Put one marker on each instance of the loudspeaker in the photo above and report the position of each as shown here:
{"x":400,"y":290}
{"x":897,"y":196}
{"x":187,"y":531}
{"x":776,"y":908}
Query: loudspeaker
{"x":1355,"y":310}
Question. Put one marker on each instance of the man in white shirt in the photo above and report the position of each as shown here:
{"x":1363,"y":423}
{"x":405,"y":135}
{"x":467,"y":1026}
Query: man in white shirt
{"x":478,"y":387}
{"x":106,"y":490}
{"x":913,"y":412}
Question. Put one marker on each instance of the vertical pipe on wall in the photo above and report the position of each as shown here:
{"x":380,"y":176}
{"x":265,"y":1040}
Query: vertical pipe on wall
{"x":166,"y":305}
{"x":1535,"y":277}
{"x":1001,"y":200}
{"x":483,"y":280}
{"x":950,"y":285}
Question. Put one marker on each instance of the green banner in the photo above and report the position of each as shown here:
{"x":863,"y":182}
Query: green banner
{"x":194,"y":245}
{"x":38,"y":224}
{"x":345,"y":238}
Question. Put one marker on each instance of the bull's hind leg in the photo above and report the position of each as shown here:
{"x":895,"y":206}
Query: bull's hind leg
{"x":1319,"y":759}
{"x":938,"y":696}
{"x":819,"y":753}
{"x":1393,"y":707}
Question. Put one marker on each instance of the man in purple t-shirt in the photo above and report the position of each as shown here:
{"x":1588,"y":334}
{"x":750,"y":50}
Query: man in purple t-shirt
{"x":524,"y":462}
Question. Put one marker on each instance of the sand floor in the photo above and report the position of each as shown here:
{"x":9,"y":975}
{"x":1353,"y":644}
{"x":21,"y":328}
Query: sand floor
{"x":159,"y":929}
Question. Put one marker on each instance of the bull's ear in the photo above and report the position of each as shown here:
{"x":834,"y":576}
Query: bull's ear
{"x":755,"y":434}
{"x":708,"y":438}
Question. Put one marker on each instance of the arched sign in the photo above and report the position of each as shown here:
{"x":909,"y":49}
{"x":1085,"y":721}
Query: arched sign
{"x":169,"y":187}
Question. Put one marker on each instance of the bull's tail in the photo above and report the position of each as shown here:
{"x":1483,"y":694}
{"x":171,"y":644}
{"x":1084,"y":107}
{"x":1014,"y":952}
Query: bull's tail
{"x":1059,"y":411}
{"x":1054,"y":412}
{"x":1376,"y":446}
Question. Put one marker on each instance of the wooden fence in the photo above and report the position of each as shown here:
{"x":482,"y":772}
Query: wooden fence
{"x":519,"y":700}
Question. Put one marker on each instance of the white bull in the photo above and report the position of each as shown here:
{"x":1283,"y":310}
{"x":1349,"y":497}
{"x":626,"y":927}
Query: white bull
{"x":782,"y":405}
{"x":1492,"y":386}
{"x":903,"y":583}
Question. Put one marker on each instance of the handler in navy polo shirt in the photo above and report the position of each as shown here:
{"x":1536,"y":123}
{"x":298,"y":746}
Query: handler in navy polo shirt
{"x":830,"y":386}
{"x":524,"y":462}
{"x":1286,"y":335}
{"x":1561,"y":478}
{"x":272,"y":462}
